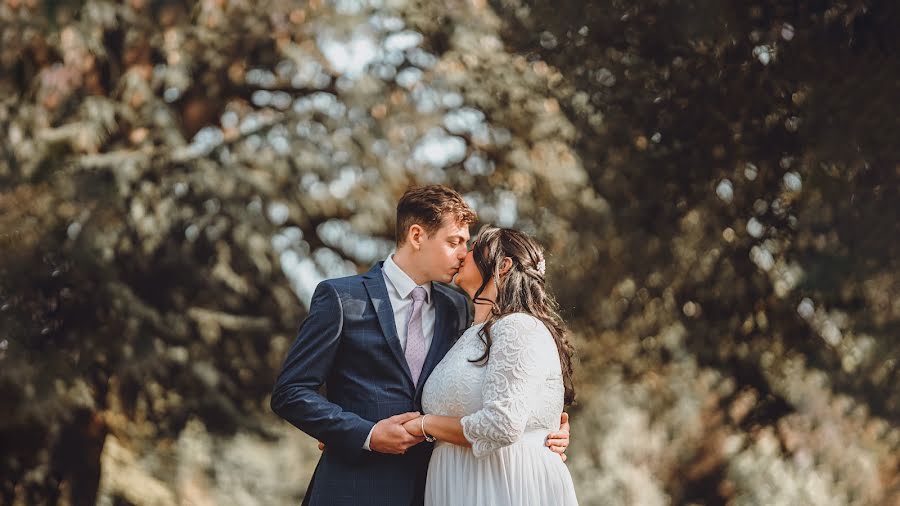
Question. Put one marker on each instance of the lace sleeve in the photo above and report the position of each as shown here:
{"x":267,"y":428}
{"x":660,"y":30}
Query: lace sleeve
{"x":511,"y":366}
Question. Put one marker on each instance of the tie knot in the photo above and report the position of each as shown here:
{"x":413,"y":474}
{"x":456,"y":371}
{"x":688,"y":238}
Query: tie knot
{"x":418,"y":294}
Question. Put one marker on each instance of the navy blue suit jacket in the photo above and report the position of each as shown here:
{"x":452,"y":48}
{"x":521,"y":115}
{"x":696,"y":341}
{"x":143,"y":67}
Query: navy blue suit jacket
{"x":349,"y":343}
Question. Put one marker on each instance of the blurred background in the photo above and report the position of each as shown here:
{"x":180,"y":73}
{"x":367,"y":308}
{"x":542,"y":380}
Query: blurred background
{"x":716,"y":184}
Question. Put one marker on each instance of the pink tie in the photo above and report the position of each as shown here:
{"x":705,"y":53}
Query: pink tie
{"x":415,"y":337}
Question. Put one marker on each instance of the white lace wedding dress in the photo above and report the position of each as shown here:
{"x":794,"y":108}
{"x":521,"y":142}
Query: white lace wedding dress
{"x":509,"y":406}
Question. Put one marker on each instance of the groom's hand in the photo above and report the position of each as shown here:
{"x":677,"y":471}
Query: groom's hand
{"x":559,"y":441}
{"x":389,"y":436}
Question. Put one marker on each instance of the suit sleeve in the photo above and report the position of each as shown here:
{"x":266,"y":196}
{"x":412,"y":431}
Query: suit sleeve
{"x":296,"y":396}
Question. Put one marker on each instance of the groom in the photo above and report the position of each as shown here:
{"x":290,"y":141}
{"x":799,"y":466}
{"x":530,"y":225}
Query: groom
{"x":357,"y":341}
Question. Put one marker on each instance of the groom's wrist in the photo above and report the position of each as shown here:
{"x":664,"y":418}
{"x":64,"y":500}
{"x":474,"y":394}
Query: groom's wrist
{"x":368,"y":441}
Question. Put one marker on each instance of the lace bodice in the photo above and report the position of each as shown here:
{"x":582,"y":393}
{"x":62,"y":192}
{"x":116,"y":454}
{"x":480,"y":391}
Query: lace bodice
{"x":520,"y":389}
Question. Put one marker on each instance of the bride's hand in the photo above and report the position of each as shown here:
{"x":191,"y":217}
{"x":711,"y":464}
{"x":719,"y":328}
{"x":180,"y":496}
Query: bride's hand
{"x":414,"y":426}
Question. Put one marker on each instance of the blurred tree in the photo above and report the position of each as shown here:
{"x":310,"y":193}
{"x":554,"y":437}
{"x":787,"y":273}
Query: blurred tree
{"x":717,"y":186}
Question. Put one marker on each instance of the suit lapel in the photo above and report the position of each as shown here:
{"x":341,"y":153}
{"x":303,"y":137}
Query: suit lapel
{"x":374,"y":283}
{"x":441,"y":340}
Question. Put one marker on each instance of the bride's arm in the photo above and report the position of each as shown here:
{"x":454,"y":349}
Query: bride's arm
{"x":510,"y":374}
{"x":443,"y":428}
{"x":449,"y":429}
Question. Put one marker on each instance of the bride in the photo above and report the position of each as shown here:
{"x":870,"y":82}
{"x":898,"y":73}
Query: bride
{"x":500,"y":389}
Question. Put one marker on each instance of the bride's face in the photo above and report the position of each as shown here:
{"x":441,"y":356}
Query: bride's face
{"x":469,"y":278}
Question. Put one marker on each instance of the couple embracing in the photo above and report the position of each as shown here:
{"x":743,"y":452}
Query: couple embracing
{"x":422,"y":404}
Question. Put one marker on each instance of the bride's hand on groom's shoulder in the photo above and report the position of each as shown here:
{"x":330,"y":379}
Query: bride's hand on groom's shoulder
{"x":558,"y":441}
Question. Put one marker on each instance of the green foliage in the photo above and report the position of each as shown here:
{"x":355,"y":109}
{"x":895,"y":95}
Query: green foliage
{"x":716,"y":184}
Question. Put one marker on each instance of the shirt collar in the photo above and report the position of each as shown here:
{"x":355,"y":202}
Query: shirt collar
{"x":401,"y":280}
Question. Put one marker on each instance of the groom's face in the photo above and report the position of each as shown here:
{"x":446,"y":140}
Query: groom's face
{"x":444,"y":250}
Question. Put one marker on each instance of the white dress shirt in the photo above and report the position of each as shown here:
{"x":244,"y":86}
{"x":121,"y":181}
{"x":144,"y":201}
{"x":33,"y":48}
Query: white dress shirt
{"x":399,"y":288}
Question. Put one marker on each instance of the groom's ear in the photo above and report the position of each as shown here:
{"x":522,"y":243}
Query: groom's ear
{"x":415,"y":235}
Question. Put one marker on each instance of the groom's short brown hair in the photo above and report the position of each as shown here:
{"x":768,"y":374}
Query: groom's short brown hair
{"x":428,"y":206}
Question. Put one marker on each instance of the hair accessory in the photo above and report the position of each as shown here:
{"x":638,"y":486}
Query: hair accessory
{"x":542,"y":267}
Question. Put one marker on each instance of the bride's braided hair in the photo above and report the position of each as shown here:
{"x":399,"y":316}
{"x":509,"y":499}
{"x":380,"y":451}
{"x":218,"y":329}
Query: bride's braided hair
{"x":519,"y":290}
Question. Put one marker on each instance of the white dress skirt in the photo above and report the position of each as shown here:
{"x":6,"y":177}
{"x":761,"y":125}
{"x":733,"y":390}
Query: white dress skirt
{"x":508,"y":407}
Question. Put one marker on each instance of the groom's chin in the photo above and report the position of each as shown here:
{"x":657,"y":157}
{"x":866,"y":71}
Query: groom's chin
{"x":448,"y":278}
